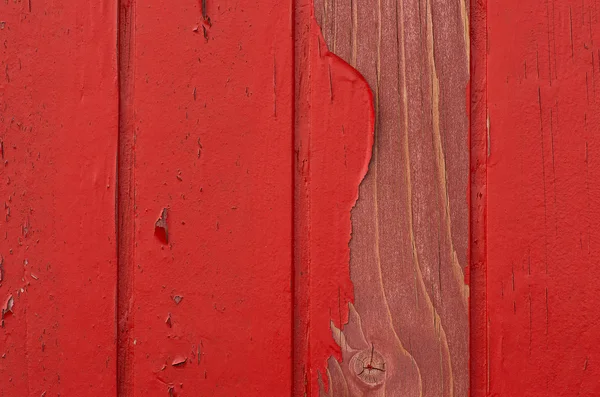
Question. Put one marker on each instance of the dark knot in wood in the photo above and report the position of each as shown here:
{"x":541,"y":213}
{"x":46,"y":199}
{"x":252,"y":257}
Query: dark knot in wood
{"x":369,"y":366}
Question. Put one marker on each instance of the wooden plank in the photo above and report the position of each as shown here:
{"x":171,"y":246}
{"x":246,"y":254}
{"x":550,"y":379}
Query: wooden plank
{"x":333,"y":137}
{"x":58,"y":138}
{"x":211,"y":305}
{"x":543,"y":199}
{"x":409,"y":321}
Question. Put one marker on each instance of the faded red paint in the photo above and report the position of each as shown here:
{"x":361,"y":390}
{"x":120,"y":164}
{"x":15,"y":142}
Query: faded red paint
{"x":410,"y":225}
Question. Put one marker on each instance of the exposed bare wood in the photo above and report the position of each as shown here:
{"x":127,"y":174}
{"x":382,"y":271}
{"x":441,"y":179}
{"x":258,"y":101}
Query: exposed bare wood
{"x":408,"y":328}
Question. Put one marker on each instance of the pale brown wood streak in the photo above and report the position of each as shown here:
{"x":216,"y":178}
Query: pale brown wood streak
{"x":410,"y":224}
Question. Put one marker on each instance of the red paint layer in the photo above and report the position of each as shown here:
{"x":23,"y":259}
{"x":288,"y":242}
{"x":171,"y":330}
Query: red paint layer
{"x":213,"y":129}
{"x":58,"y":132}
{"x":334,"y":129}
{"x":543,"y":198}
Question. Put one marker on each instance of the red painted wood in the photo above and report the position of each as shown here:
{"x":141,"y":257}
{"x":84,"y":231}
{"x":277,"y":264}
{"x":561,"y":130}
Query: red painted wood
{"x":211,"y":307}
{"x":410,"y":225}
{"x":58,"y":138}
{"x":542,"y":198}
{"x":334,"y":137}
{"x":241,"y":143}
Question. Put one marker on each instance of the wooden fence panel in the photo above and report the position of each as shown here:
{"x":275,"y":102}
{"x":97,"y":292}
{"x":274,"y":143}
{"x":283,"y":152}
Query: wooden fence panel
{"x":543,"y":198}
{"x":209,"y":310}
{"x":409,"y":244}
{"x":58,"y":141}
{"x":205,"y":198}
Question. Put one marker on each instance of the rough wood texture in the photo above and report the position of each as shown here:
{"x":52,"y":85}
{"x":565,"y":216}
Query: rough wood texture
{"x":543,"y":198}
{"x":410,"y":224}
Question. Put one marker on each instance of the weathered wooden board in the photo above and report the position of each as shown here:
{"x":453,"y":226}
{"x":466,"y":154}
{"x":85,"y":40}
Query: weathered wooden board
{"x":249,"y":260}
{"x":408,"y":330}
{"x":543,"y":198}
{"x":334,"y":122}
{"x":209,"y":310}
{"x":58,"y":141}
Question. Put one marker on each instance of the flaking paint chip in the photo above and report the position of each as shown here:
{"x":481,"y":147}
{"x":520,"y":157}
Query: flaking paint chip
{"x":160,"y":227}
{"x":8,"y":306}
{"x":179,"y":361}
{"x":168,"y":320}
{"x":177,"y":299}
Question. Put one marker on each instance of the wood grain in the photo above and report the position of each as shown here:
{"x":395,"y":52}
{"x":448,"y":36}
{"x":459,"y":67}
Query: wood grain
{"x":410,"y":224}
{"x":333,"y":141}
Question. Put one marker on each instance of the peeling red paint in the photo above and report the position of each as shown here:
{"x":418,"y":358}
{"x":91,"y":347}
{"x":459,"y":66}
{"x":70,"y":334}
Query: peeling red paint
{"x":213,"y":127}
{"x":58,"y":119}
{"x":334,"y":136}
{"x":179,"y":361}
{"x":161,"y":229}
{"x":543,"y":198}
{"x":236,"y":126}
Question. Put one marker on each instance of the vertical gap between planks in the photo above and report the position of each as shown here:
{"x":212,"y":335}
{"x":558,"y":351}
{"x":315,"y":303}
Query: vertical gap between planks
{"x":125,"y":196}
{"x":479,"y":145}
{"x":294,"y":182}
{"x":302,"y":12}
